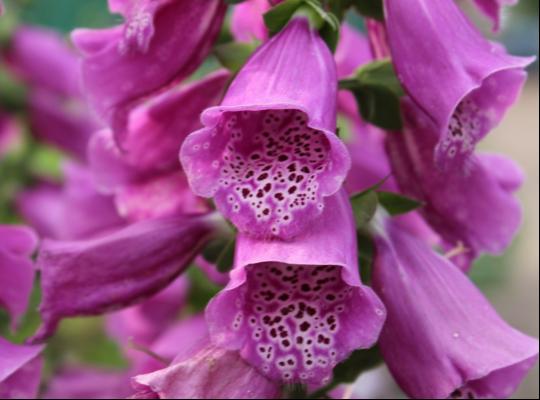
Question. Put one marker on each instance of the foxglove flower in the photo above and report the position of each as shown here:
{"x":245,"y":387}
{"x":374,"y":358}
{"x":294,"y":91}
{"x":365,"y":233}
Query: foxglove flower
{"x":117,"y":269}
{"x":20,"y":370}
{"x":247,"y":23}
{"x":206,"y":371}
{"x":57,"y":111}
{"x":442,"y":339}
{"x":74,"y":210}
{"x":16,"y":271}
{"x":160,"y":42}
{"x":145,"y":177}
{"x":464,"y":82}
{"x":477,"y":209}
{"x":268,"y":154}
{"x":493,"y":9}
{"x":296,"y":309}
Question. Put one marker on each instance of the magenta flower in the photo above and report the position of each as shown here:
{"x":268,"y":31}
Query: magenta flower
{"x":464,"y":82}
{"x":48,"y":206}
{"x":57,"y":112}
{"x":159,"y":43}
{"x":295,"y":309}
{"x":205,"y":371}
{"x":145,"y":176}
{"x":118,"y":269}
{"x":442,"y":338}
{"x":247,"y":22}
{"x":16,"y":270}
{"x":476,"y":208}
{"x":493,"y":9}
{"x":268,"y":154}
{"x":20,"y":370}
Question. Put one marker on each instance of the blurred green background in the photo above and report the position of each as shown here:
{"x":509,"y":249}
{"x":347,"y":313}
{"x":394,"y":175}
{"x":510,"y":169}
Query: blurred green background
{"x":510,"y":281}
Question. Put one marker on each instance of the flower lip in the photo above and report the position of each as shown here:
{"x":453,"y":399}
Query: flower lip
{"x":271,"y":167}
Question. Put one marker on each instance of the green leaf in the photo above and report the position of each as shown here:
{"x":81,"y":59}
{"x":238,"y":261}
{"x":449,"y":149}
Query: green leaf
{"x":364,"y":207}
{"x":359,"y":361}
{"x":225,"y":260}
{"x":277,"y":17}
{"x":324,"y":21}
{"x":234,"y":1}
{"x":378,"y":91}
{"x":397,"y":204}
{"x":366,"y":254}
{"x":370,"y":8}
{"x":233,"y":55}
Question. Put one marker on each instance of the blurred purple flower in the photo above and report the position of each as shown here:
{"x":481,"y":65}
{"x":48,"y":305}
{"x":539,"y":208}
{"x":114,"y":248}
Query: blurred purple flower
{"x":159,"y":43}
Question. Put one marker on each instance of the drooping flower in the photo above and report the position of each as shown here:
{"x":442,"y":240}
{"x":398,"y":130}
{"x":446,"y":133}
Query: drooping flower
{"x":159,"y":43}
{"x":16,"y":270}
{"x":442,"y":339}
{"x":295,"y":309}
{"x":476,"y":208}
{"x":145,"y":177}
{"x":268,"y":154}
{"x":493,"y":9}
{"x":20,"y":370}
{"x":117,"y":269}
{"x":73,"y":210}
{"x":464,"y":82}
{"x":57,"y":111}
{"x":247,"y":22}
{"x":205,"y":371}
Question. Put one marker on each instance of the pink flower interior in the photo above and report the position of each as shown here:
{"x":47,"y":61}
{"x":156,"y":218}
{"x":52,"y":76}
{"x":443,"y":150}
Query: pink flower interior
{"x":270,"y":170}
{"x":295,"y":320}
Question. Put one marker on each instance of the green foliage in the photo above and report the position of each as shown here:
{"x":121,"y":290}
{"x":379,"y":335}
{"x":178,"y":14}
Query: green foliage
{"x":397,"y":204}
{"x":321,"y":19}
{"x":233,"y":55}
{"x":378,"y":92}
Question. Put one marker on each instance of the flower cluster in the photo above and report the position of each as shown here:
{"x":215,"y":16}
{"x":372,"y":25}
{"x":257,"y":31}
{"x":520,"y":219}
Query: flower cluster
{"x":331,"y":250}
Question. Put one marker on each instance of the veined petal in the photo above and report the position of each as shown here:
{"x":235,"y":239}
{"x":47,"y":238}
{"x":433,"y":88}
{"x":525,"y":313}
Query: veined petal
{"x":476,"y":207}
{"x":20,"y":370}
{"x":442,"y":338}
{"x":118,"y":269}
{"x":160,"y":42}
{"x":207,"y":371}
{"x":289,"y":306}
{"x":16,"y":270}
{"x":464,"y":82}
{"x":268,"y":154}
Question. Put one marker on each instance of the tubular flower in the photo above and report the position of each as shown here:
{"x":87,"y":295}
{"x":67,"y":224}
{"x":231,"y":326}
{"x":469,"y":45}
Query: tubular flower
{"x":455,"y":203}
{"x":268,"y":154}
{"x":74,"y":210}
{"x":20,"y":370}
{"x":16,"y":270}
{"x":117,"y":269}
{"x":57,"y":110}
{"x":464,"y":82}
{"x":205,"y":371}
{"x":247,"y":22}
{"x":160,"y":42}
{"x":442,"y":339}
{"x":144,"y":177}
{"x":296,"y":309}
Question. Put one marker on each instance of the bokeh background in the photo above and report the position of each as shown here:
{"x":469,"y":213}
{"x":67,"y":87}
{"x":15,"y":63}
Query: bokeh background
{"x":511,"y":282}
